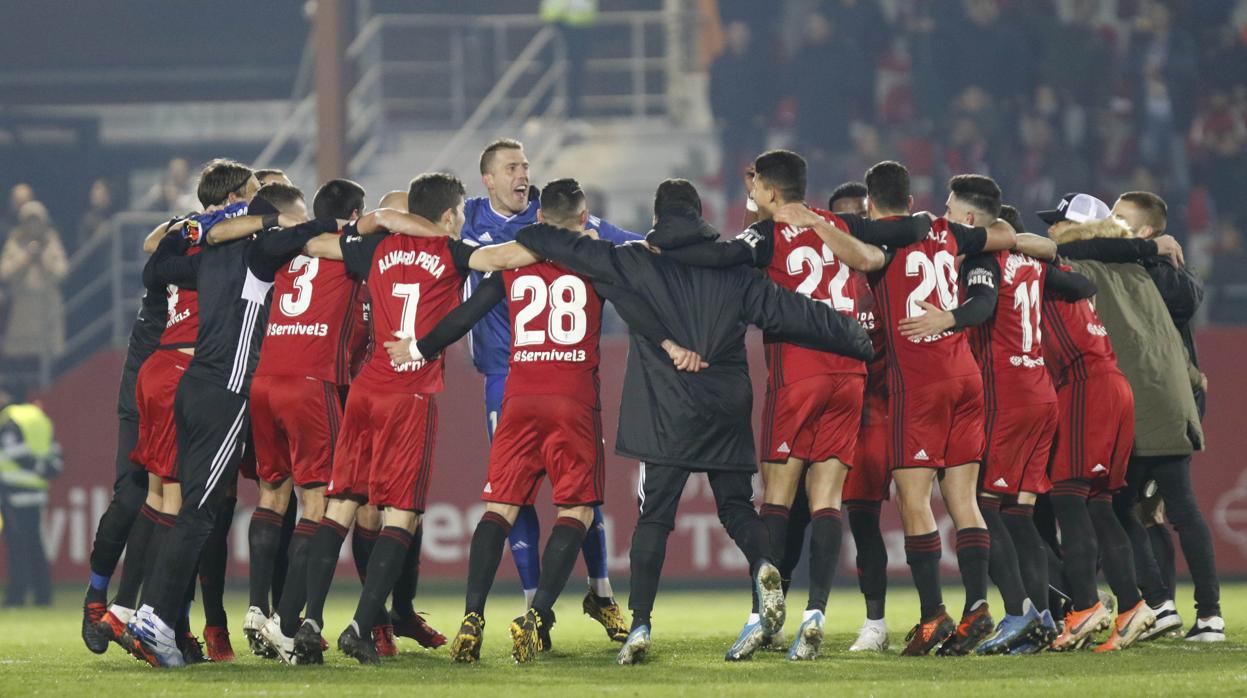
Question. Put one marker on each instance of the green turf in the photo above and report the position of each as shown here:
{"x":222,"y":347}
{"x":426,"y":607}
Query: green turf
{"x":41,"y":653}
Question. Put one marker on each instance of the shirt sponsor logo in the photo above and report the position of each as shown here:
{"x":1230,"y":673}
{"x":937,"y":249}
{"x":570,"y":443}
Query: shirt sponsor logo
{"x":175,"y":318}
{"x":1026,"y":361}
{"x":312,"y":329}
{"x":528,"y":356}
{"x":430,"y":263}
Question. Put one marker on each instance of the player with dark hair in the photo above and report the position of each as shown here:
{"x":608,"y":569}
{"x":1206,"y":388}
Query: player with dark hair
{"x":210,"y":409}
{"x":551,"y":420}
{"x":510,"y":205}
{"x":935,"y":409}
{"x":1000,"y":311}
{"x":707,"y":311}
{"x":849,"y":197}
{"x":1089,"y":459}
{"x":383,"y":454}
{"x":814,"y":399}
{"x":315,"y":327}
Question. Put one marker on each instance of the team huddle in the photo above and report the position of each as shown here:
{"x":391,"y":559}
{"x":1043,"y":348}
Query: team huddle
{"x":305,"y":352}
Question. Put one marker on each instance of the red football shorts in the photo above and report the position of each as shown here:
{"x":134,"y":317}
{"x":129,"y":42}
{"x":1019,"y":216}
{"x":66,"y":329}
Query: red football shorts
{"x":541,"y":435}
{"x":1019,"y":441}
{"x":384,"y":452}
{"x":295,"y":421}
{"x":870,"y":477}
{"x":157,"y":383}
{"x":814,"y":419}
{"x":937,"y":425}
{"x":1095,"y":432}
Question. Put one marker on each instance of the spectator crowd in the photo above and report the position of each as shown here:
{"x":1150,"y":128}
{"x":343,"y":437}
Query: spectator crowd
{"x":1045,"y":96}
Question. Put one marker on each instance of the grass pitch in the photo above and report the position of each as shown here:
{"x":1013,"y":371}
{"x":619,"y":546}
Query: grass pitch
{"x":41,"y":653}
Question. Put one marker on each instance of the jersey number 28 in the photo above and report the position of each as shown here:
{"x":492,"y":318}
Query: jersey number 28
{"x":566,"y":297}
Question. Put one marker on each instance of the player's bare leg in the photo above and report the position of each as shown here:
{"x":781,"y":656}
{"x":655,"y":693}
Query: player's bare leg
{"x":824,"y":483}
{"x":922,"y":553}
{"x":959,"y":487}
{"x":485,"y":553}
{"x":264,"y":539}
{"x":559,"y":557}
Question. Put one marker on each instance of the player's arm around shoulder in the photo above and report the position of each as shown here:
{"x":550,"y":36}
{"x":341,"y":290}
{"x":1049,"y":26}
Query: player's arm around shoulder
{"x":508,"y":255}
{"x":845,"y":247}
{"x":1035,"y":246}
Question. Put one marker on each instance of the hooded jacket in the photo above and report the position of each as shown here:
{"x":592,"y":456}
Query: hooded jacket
{"x":1149,"y":349}
{"x":698,"y":421}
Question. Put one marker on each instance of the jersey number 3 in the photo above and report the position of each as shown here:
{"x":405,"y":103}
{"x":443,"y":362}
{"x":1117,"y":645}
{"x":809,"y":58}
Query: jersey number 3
{"x":566,"y":297}
{"x":297,"y":303}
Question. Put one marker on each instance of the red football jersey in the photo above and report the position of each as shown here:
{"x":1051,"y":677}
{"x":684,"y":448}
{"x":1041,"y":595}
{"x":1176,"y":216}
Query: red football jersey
{"x":1075,"y":342}
{"x":1009,"y":345}
{"x":182,"y":326}
{"x":413,"y":283}
{"x":314,"y":322}
{"x":925,"y":271}
{"x":556,"y":323}
{"x":800,"y":262}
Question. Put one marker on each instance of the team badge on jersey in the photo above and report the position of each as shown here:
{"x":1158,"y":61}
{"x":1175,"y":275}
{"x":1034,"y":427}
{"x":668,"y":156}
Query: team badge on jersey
{"x":192,"y":231}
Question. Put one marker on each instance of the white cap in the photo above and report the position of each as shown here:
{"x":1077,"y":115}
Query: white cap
{"x":1076,"y":208}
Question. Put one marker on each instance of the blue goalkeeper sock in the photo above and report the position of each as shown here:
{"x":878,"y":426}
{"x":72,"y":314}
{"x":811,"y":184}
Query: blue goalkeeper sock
{"x":525,"y":541}
{"x":594,"y":551}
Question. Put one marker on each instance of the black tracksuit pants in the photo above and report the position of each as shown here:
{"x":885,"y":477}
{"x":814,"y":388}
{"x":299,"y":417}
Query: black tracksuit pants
{"x":658,"y":499}
{"x":1172,"y":475}
{"x":212,"y":424}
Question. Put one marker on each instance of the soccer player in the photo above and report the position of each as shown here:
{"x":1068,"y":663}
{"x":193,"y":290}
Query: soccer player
{"x":677,"y":424}
{"x":1000,"y":311}
{"x":551,"y":417}
{"x":494,"y":219}
{"x":814,"y":399}
{"x":385,"y":445}
{"x":210,"y":410}
{"x":134,"y":506}
{"x":935,"y":407}
{"x":315,"y":325}
{"x":1093,"y":449}
{"x":1089,"y":460}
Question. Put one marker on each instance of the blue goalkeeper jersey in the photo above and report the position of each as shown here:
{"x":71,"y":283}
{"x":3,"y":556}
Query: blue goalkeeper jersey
{"x":491,"y":338}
